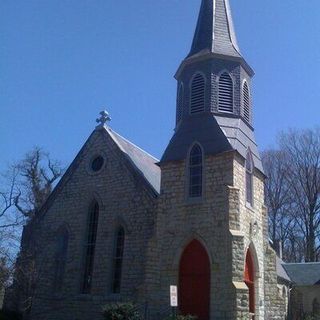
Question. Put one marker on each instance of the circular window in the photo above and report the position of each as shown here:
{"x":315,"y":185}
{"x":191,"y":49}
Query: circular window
{"x":97,"y":163}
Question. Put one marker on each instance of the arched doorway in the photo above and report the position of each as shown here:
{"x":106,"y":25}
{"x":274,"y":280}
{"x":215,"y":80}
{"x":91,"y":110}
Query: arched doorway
{"x":194,"y":281}
{"x":249,"y":281}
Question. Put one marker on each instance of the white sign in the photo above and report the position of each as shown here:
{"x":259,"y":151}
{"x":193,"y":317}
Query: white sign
{"x":173,"y":296}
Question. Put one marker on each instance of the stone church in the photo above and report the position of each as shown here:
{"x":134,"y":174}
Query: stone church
{"x":122,"y":225}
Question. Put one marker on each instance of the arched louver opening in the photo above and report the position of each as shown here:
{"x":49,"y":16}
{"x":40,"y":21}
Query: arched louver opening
{"x":195,"y":172}
{"x":180,"y":100}
{"x":118,"y":259}
{"x":90,"y":244}
{"x":60,"y":258}
{"x":225,"y":93}
{"x":246,"y":102}
{"x":249,"y":178}
{"x":197,"y":94}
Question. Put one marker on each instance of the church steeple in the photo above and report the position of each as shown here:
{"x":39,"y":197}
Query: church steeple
{"x":215,"y":32}
{"x":214,"y":104}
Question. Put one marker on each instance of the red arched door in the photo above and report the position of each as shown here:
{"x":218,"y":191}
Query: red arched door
{"x":194,"y":281}
{"x":249,"y":280}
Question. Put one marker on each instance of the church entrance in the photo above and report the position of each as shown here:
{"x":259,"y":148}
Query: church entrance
{"x":194,"y":281}
{"x":249,"y":281}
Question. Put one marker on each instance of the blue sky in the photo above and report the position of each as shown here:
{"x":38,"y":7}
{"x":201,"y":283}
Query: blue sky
{"x":62,"y":61}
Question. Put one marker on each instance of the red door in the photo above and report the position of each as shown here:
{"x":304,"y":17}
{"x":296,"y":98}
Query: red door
{"x":194,"y":281}
{"x":249,"y":280}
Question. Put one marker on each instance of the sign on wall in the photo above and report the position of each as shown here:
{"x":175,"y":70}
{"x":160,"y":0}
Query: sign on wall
{"x":173,"y":296}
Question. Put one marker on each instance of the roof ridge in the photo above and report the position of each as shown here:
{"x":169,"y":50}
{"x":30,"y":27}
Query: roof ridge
{"x":133,"y":144}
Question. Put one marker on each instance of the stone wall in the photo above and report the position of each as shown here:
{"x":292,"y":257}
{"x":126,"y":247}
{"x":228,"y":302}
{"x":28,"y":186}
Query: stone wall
{"x":135,"y":212}
{"x":180,"y":220}
{"x":225,"y":224}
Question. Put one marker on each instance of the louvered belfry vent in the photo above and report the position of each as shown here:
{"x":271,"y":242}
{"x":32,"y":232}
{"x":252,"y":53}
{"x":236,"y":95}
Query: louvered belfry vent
{"x":180,"y":103}
{"x":197,"y":94}
{"x":246,"y":102}
{"x":225,"y":93}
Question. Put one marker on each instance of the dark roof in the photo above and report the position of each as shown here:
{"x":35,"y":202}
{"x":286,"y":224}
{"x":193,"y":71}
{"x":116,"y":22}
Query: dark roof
{"x":281,"y":272}
{"x":144,"y":163}
{"x":216,"y":134}
{"x":215,"y":31}
{"x":201,"y":128}
{"x":241,"y":137}
{"x":303,"y":274}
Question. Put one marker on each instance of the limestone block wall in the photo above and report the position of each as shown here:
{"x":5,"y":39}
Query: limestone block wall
{"x":180,"y":220}
{"x":135,"y":212}
{"x":249,"y":225}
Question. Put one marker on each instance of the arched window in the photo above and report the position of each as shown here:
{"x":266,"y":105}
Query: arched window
{"x":60,"y":258}
{"x":246,"y":101}
{"x":118,"y":259}
{"x":197,"y":94}
{"x":249,"y":178}
{"x":249,"y":280}
{"x":225,"y":99}
{"x":180,"y":100}
{"x":195,"y":172}
{"x":90,"y":244}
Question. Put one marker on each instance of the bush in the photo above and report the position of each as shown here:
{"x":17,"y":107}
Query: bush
{"x":120,"y":311}
{"x":187,"y":317}
{"x":311,"y":317}
{"x":9,"y":315}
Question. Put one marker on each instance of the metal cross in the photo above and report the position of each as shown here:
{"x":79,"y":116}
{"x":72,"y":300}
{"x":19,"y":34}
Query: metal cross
{"x":104,"y":118}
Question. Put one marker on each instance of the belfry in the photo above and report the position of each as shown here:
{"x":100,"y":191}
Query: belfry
{"x":123,"y":226}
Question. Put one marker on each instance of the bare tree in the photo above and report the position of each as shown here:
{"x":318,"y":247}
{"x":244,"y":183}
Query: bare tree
{"x":279,"y":200}
{"x":302,"y":148}
{"x":293,"y":193}
{"x":38,"y":174}
{"x":24,"y":189}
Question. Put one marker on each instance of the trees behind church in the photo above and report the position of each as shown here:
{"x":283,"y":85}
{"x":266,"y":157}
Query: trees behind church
{"x":24,"y":188}
{"x":293,"y":194}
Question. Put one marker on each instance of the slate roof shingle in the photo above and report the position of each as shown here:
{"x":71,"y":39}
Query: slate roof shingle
{"x":303,"y":274}
{"x":144,"y":163}
{"x":215,"y":32}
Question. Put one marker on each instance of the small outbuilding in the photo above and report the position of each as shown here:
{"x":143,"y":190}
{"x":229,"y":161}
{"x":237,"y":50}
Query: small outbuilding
{"x":305,"y":289}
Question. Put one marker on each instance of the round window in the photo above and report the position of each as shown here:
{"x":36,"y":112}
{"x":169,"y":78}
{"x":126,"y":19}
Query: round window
{"x":97,"y":163}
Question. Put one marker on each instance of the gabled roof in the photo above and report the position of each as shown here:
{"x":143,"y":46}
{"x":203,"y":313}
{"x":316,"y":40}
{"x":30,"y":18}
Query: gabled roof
{"x":141,"y":162}
{"x":215,"y":32}
{"x":303,"y":274}
{"x":281,"y":272}
{"x":144,"y":163}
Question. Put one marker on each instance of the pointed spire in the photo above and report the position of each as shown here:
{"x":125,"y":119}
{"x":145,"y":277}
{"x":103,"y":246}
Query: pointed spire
{"x":215,"y":31}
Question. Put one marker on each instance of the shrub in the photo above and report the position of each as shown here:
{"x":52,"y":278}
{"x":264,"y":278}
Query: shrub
{"x":9,"y":315}
{"x":120,"y":311}
{"x":311,"y":317}
{"x":180,"y":317}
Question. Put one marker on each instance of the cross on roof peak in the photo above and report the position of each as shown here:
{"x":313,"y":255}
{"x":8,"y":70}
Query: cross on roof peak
{"x":104,"y":119}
